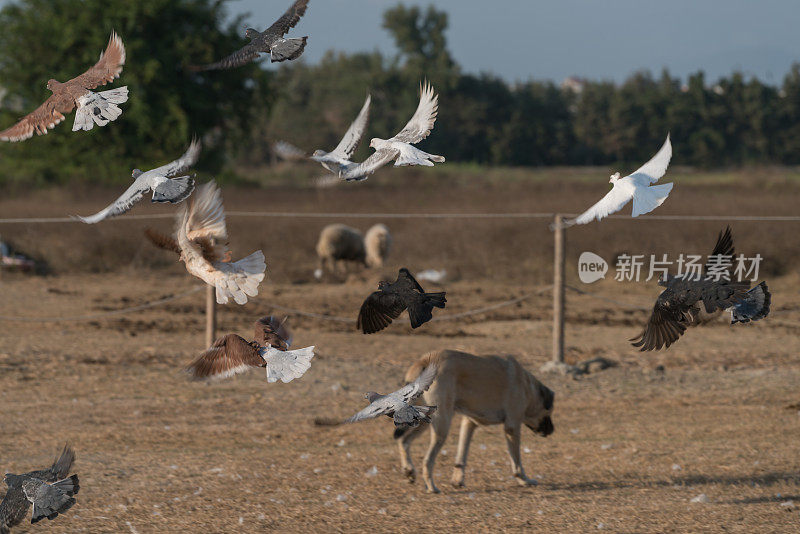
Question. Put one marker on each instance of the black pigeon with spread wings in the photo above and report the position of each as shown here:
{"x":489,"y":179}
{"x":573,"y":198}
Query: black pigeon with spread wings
{"x":51,"y":491}
{"x":391,"y":299}
{"x":269,"y":41}
{"x":679,"y":305}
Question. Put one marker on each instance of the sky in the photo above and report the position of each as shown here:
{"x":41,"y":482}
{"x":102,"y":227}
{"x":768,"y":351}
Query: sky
{"x":520,"y":40}
{"x":596,"y":39}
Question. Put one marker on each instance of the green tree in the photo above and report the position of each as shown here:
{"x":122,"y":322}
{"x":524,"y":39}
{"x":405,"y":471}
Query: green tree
{"x":44,"y":39}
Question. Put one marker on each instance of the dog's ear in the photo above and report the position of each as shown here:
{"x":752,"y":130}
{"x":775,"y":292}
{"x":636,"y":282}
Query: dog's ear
{"x":547,"y":396}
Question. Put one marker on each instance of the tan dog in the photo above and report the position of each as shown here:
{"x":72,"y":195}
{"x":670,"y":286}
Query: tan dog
{"x":487,"y":390}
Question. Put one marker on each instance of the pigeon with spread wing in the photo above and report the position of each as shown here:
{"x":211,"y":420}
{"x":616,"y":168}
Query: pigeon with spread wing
{"x":232,"y":354}
{"x":637,"y":186}
{"x":391,"y":299}
{"x":93,"y":108}
{"x":164,"y":182}
{"x":401,"y":147}
{"x":679,"y":305}
{"x":201,"y":225}
{"x":51,"y":492}
{"x":397,"y":404}
{"x":340,"y":156}
{"x":269,"y":41}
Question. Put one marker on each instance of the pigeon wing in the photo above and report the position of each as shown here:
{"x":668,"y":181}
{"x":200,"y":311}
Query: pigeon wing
{"x":414,"y":389}
{"x":269,"y":330}
{"x":378,"y":310}
{"x":663,"y":329}
{"x":13,"y":509}
{"x":657,"y":166}
{"x":206,"y":216}
{"x":162,"y":241}
{"x":182,"y":164}
{"x":382,"y":405}
{"x":107,"y":68}
{"x":45,"y":117}
{"x":375,"y":161}
{"x":347,"y":146}
{"x":288,"y":20}
{"x":406,"y":281}
{"x":123,"y":204}
{"x":60,"y":468}
{"x":611,"y":203}
{"x":229,"y":355}
{"x":421,"y":124}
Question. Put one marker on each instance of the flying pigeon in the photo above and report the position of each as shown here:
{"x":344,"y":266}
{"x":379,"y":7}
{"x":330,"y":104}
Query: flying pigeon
{"x":637,"y":186}
{"x":400,"y":147}
{"x":678,"y":306}
{"x":93,"y":108}
{"x":51,"y":491}
{"x":163,"y":181}
{"x":232,"y":354}
{"x":200,"y":225}
{"x":340,"y":156}
{"x":397,"y":405}
{"x":270,"y":40}
{"x":391,"y":299}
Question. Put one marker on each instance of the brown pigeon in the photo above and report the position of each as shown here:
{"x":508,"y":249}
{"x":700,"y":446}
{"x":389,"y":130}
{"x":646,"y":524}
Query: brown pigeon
{"x":93,"y":108}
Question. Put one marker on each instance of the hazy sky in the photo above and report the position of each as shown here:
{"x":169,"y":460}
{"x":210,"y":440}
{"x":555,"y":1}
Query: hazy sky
{"x":598,"y":39}
{"x":609,"y":39}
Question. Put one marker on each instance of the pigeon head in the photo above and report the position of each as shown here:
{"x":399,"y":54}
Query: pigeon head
{"x":371,"y":395}
{"x":383,"y":284}
{"x":373,"y":143}
{"x":614,"y":178}
{"x":250,"y":33}
{"x":135,"y":173}
{"x":51,"y":83}
{"x":318,"y":153}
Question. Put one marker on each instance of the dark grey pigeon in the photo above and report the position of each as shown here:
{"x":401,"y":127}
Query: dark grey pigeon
{"x":270,"y":40}
{"x":679,"y":305}
{"x":397,"y":405}
{"x":50,"y":491}
{"x":391,"y":299}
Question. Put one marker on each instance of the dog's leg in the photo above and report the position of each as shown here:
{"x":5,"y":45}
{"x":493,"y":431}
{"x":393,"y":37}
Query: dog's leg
{"x":464,"y":438}
{"x":440,"y":426}
{"x":404,"y":444}
{"x":513,"y":441}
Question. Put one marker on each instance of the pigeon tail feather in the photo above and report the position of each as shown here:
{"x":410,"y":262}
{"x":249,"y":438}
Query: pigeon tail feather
{"x":174,"y":190}
{"x":99,"y":108}
{"x":287,"y":49}
{"x":754,"y":305}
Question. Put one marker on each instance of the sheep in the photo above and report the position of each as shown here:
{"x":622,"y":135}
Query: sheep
{"x":339,"y":243}
{"x":378,"y":243}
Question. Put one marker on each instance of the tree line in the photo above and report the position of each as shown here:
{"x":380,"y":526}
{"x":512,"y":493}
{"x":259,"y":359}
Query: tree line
{"x":483,"y":119}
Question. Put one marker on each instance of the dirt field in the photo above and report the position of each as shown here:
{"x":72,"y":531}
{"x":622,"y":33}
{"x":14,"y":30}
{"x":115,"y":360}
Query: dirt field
{"x":633,"y":445}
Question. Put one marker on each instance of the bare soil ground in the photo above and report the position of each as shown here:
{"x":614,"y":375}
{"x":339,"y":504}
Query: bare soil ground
{"x":633,"y":444}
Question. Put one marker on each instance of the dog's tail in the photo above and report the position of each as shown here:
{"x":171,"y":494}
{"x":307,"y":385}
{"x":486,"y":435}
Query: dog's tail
{"x":420,"y":365}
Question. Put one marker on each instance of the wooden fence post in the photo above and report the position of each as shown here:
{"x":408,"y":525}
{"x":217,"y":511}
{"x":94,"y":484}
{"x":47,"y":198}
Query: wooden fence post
{"x":558,"y":290}
{"x":211,"y":314}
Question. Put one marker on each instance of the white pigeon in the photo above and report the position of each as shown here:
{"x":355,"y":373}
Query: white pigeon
{"x":200,"y":227}
{"x":636,"y":186}
{"x":400,"y":147}
{"x":340,"y":156}
{"x":397,"y":405}
{"x":163,"y":181}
